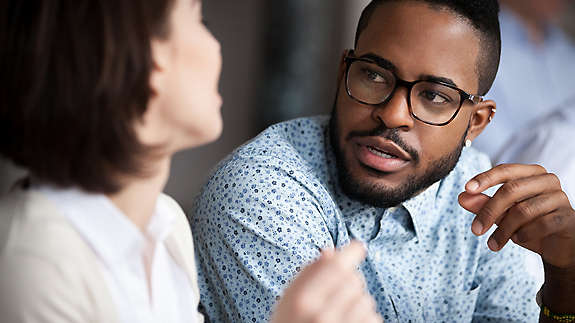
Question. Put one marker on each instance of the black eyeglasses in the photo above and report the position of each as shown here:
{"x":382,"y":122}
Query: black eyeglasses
{"x":429,"y":101}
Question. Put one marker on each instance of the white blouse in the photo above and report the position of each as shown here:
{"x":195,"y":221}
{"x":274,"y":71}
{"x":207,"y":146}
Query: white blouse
{"x":123,"y":251}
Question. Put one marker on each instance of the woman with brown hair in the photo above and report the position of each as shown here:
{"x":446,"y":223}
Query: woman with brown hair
{"x":95,"y":98}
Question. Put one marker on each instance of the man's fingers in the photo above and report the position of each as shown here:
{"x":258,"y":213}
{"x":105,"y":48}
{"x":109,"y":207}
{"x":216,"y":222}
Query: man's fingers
{"x":508,"y":195}
{"x":542,"y":227}
{"x":534,"y":246}
{"x":362,"y":310}
{"x":351,"y":256}
{"x":319,"y":284}
{"x":335,"y":268}
{"x":501,"y":174}
{"x":324,"y":275}
{"x":473,"y":202}
{"x":521,"y":214}
{"x":341,"y":299}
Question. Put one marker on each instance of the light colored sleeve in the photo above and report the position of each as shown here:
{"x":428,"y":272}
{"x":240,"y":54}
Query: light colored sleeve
{"x":33,"y":290}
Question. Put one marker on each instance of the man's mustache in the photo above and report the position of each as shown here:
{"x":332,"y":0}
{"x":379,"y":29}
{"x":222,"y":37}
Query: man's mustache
{"x":389,"y":134}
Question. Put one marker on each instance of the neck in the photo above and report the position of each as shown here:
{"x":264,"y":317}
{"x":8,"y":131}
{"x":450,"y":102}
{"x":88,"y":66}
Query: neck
{"x":138,"y":197}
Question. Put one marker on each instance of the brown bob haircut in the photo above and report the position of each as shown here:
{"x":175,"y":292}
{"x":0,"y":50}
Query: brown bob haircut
{"x":74,"y":79}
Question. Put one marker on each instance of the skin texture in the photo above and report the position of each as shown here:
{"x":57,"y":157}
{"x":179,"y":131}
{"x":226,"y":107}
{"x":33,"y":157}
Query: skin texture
{"x":185,"y":110}
{"x":436,"y":44}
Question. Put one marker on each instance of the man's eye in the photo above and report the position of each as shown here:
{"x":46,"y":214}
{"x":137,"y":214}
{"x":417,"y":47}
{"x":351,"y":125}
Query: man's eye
{"x":434,"y":97}
{"x":374,"y":76}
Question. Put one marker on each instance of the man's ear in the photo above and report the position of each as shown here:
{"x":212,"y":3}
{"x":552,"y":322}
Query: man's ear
{"x":482,"y":114}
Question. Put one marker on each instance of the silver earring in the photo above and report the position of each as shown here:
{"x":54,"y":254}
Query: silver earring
{"x":492,"y":114}
{"x":467,"y":143}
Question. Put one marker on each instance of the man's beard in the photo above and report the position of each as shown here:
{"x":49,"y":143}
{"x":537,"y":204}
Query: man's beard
{"x":379,"y":195}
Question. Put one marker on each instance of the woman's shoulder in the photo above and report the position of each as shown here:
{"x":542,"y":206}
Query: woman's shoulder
{"x":33,"y":224}
{"x":45,"y":265}
{"x":181,"y":230}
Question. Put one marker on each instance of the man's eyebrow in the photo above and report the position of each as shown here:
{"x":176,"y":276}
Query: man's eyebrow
{"x":380,"y":61}
{"x":434,"y":78}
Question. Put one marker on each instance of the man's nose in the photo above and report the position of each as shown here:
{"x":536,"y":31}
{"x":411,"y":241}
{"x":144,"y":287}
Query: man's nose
{"x":395,"y":112}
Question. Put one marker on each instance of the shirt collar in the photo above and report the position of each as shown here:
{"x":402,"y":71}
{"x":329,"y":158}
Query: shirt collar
{"x":421,"y":208}
{"x":418,"y":206}
{"x":105,"y":228}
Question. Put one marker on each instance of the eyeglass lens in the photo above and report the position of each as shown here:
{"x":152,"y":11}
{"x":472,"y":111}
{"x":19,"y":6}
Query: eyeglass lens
{"x":431,"y":102}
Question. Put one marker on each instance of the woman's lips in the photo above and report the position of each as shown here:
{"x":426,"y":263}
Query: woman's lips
{"x":378,"y":159}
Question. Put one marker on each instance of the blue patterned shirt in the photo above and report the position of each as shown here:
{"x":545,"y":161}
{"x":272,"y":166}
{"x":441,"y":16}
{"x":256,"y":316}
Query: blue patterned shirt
{"x":275,"y":202}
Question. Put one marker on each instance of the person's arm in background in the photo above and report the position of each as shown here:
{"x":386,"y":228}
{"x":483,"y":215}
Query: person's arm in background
{"x":547,"y":142}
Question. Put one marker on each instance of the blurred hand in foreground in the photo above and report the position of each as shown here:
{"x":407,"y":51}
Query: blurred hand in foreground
{"x":329,"y":290}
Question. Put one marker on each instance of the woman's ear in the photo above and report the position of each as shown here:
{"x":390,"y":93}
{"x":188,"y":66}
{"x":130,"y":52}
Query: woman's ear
{"x":151,"y":128}
{"x":160,"y":65}
{"x":482,"y":114}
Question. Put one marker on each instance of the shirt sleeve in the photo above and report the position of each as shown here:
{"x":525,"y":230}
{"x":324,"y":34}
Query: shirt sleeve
{"x":257,"y":223}
{"x":507,"y":291}
{"x":33,"y":290}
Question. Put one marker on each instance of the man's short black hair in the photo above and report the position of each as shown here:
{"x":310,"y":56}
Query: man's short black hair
{"x":483,"y":16}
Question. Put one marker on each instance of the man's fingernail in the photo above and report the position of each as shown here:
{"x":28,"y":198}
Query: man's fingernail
{"x":472,"y":185}
{"x":493,"y":245}
{"x":477,"y":227}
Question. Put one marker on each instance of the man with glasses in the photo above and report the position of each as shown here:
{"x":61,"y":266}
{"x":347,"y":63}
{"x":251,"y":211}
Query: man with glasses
{"x":393,"y":167}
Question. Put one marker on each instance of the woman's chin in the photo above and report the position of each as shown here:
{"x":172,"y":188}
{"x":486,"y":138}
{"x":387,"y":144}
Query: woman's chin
{"x":196,"y":138}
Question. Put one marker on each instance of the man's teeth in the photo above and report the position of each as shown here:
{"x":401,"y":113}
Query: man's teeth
{"x":380,"y":153}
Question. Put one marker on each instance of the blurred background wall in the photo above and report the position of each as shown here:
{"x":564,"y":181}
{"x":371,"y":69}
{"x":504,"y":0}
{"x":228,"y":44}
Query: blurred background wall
{"x":280,"y":62}
{"x":568,"y":19}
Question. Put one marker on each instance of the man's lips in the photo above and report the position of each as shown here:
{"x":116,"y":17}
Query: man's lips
{"x":384,"y":146}
{"x":380,"y":154}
